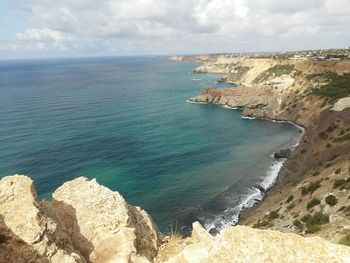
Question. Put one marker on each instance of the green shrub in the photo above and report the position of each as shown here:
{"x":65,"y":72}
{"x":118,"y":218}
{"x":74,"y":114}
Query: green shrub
{"x":345,"y":240}
{"x":313,"y":203}
{"x":261,"y":224}
{"x":291,"y":206}
{"x":310,"y":229}
{"x":289,"y":199}
{"x":298,"y":225}
{"x":273,"y":215}
{"x":306,"y":218}
{"x":342,"y":184}
{"x":317,"y":219}
{"x":331,"y":200}
{"x":343,"y":138}
{"x":337,"y":171}
{"x":311,"y":188}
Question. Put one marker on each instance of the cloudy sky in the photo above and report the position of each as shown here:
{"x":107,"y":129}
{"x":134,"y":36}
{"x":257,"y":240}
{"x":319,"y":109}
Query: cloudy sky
{"x":45,"y":28}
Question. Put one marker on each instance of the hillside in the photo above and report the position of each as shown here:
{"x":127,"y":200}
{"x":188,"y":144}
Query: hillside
{"x":312,"y":193}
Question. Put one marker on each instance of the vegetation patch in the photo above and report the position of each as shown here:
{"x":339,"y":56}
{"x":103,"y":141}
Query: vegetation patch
{"x":291,"y":206}
{"x":289,"y":199}
{"x":273,"y":215}
{"x":313,"y":222}
{"x":310,"y":229}
{"x":332,"y":128}
{"x":331,"y":200}
{"x":275,"y":71}
{"x":313,"y":203}
{"x":345,"y":240}
{"x":262,"y":224}
{"x":316,"y":173}
{"x":239,"y":72}
{"x":337,"y":85}
{"x":298,"y":225}
{"x":343,"y":138}
{"x":310,"y":188}
{"x":342,"y":184}
{"x":323,"y":135}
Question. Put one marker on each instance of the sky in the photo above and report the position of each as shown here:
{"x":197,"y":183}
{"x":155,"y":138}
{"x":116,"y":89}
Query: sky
{"x":71,"y":28}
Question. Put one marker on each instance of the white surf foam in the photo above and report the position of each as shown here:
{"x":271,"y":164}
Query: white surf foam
{"x":229,"y":108}
{"x":248,"y":118}
{"x":231,"y":215}
{"x":196,"y":102}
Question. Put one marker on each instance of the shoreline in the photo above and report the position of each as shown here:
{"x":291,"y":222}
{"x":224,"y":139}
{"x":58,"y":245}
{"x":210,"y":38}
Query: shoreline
{"x":269,"y":181}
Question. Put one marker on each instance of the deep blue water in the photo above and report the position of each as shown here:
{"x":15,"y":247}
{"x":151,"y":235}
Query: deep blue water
{"x":126,"y":122}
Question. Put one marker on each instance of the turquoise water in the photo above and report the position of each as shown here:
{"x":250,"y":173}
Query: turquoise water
{"x":126,"y":122}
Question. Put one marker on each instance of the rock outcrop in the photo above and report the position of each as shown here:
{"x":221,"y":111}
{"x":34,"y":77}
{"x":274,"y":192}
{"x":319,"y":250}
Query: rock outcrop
{"x":342,"y":104}
{"x":87,"y":222}
{"x":244,"y":244}
{"x":284,"y":153}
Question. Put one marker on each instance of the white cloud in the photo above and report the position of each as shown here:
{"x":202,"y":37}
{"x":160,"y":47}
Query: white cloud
{"x":179,"y":26}
{"x":41,"y":39}
{"x":41,"y":34}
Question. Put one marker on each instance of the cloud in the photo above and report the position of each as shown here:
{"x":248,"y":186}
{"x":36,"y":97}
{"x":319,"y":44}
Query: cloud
{"x":167,"y":26}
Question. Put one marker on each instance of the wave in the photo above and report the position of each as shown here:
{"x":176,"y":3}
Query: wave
{"x":248,"y":118}
{"x":196,"y":102}
{"x":196,"y":79}
{"x":272,"y":174}
{"x":253,"y":196}
{"x":230,"y":108}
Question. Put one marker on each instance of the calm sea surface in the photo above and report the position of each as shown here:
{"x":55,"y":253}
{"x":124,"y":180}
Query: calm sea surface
{"x":126,"y":122}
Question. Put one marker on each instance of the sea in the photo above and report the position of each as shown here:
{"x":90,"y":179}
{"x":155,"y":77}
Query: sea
{"x":126,"y":122}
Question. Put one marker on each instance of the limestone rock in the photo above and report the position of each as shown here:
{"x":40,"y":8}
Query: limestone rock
{"x":85,"y":222}
{"x":26,"y":234}
{"x":245,"y":244}
{"x":102,"y":225}
{"x":342,"y":104}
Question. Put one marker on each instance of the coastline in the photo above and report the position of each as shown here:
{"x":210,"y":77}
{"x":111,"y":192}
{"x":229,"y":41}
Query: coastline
{"x":294,"y":91}
{"x":269,"y":183}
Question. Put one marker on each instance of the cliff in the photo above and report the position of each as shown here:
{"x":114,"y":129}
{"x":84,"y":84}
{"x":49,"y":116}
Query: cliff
{"x":87,"y":222}
{"x":316,"y":95}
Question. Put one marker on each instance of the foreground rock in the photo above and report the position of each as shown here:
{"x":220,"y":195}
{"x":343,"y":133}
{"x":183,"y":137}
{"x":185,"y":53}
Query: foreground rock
{"x":87,"y":222}
{"x":244,"y":244}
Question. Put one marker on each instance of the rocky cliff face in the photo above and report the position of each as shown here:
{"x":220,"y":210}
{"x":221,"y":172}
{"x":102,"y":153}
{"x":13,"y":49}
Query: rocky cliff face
{"x":87,"y":222}
{"x":315,"y":95}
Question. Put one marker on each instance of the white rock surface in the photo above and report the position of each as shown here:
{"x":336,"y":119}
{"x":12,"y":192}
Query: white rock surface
{"x":245,"y":244}
{"x":342,"y":104}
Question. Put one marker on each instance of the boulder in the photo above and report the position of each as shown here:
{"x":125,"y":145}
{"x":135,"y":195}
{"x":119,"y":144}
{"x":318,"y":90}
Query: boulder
{"x":285,"y":153}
